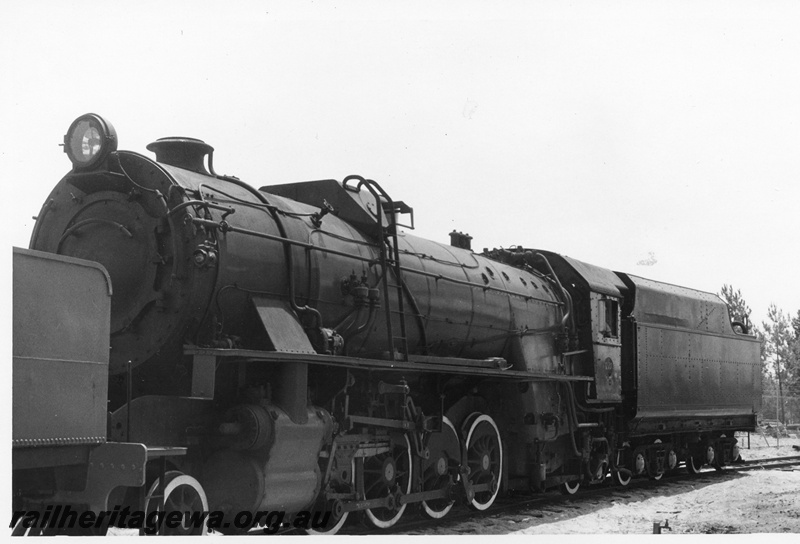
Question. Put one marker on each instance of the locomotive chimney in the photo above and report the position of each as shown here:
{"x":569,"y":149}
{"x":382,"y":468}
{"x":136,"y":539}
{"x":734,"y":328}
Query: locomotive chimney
{"x":186,"y":153}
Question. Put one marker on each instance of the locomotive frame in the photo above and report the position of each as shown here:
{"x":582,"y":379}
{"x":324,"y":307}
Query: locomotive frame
{"x":290,"y":348}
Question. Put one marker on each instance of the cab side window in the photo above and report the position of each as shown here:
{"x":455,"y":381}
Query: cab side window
{"x":609,"y":309}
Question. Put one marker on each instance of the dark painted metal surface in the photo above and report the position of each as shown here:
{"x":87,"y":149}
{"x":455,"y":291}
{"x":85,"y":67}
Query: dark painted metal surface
{"x":596,"y":278}
{"x":661,"y":303}
{"x":445,"y":365}
{"x":689,"y":363}
{"x":688,"y":372}
{"x":282,"y":476}
{"x":125,"y":226}
{"x":60,"y":350}
{"x":357,"y":208}
{"x":158,"y":420}
{"x":110,"y":465}
{"x":198,"y":247}
{"x":596,"y":294}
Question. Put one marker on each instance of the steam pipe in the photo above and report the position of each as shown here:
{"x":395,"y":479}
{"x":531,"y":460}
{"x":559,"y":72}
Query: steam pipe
{"x":567,"y":298}
{"x":339,"y":326}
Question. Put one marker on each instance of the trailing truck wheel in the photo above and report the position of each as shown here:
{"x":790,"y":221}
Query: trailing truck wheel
{"x":182,"y":494}
{"x":484,"y":458}
{"x":445,"y":448}
{"x":383,"y":475}
{"x":600,"y":472}
{"x":622,"y":479}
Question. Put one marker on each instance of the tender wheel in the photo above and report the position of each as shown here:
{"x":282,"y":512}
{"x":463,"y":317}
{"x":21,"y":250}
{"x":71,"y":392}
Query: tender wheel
{"x":654,"y":474}
{"x":710,"y":455}
{"x":737,"y":456}
{"x":718,"y":459}
{"x":383,"y":475}
{"x":672,"y":459}
{"x":692,"y":465}
{"x":484,"y":458}
{"x":640,"y":464}
{"x":570,"y":488}
{"x":445,"y":449}
{"x":182,"y":494}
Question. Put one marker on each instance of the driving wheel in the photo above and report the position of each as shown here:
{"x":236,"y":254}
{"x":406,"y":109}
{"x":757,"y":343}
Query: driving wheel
{"x":484,"y":458}
{"x":445,"y":449}
{"x":384,"y":474}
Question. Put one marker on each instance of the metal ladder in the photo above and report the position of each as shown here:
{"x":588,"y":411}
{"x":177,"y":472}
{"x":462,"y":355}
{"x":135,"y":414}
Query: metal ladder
{"x":389,"y":257}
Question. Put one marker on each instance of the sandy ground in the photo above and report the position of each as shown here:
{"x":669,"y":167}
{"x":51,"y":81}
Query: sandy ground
{"x":757,"y":501}
{"x":762,"y":447}
{"x":751,"y":502}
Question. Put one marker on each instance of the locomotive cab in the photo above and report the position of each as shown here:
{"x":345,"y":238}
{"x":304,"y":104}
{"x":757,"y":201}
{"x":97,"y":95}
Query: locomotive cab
{"x":597,"y":294}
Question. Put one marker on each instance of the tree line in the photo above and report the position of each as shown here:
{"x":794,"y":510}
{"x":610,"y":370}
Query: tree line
{"x":780,"y":355}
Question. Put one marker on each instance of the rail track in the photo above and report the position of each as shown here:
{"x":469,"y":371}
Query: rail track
{"x":769,"y":463}
{"x":538,"y":505}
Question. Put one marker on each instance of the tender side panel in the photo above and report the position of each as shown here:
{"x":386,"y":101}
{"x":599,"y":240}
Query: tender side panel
{"x":688,"y":373}
{"x":664,"y":304}
{"x":61,"y":325}
{"x":689,"y":363}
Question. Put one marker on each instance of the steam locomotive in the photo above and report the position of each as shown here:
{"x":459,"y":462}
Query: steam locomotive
{"x":292,"y":348}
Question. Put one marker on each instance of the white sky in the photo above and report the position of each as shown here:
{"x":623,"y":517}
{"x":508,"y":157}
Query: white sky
{"x":607,"y":131}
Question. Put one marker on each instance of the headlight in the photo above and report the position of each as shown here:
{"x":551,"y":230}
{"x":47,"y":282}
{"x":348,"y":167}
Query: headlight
{"x":89,"y":141}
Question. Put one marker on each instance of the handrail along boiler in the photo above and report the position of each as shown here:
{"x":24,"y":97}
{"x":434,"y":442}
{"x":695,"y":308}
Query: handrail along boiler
{"x":309,"y":355}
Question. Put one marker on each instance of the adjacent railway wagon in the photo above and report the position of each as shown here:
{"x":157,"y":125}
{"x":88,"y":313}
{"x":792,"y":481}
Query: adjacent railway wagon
{"x":292,"y":349}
